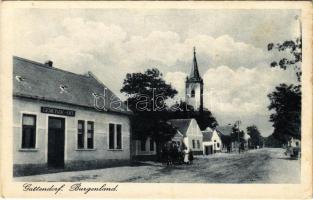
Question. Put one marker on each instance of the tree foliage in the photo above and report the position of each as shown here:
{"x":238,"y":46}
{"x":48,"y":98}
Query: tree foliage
{"x":294,"y":47}
{"x":146,"y":94}
{"x":147,"y":91}
{"x":286,"y":102}
{"x":255,"y":136}
{"x":271,"y":141}
{"x":237,"y":135}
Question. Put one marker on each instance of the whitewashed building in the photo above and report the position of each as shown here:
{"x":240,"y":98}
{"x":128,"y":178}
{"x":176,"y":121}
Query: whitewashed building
{"x":65,"y":120}
{"x":294,"y":142}
{"x":212,"y":142}
{"x":188,"y":133}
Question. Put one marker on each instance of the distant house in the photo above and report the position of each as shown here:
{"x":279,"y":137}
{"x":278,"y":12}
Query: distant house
{"x":144,"y":149}
{"x":294,"y":142}
{"x":188,"y":133}
{"x":212,"y":141}
{"x":57,"y":122}
{"x":225,"y":134}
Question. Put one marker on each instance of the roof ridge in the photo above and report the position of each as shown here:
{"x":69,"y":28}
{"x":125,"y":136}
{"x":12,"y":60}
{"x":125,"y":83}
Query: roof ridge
{"x":51,"y":68}
{"x":92,"y":75}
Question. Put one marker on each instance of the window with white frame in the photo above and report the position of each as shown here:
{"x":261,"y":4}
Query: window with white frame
{"x":115,"y":136}
{"x":198,"y":144}
{"x":193,"y":144}
{"x":80,"y":134}
{"x":90,"y":135}
{"x":85,"y":137}
{"x":28,"y":131}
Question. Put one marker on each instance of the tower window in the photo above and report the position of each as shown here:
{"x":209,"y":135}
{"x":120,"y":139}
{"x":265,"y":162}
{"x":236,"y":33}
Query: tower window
{"x":192,"y":93}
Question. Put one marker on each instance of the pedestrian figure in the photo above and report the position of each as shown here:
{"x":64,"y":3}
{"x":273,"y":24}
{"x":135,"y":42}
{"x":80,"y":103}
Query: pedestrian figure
{"x":186,"y":156}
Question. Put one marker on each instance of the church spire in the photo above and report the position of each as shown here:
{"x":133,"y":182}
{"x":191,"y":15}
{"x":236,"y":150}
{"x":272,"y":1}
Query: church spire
{"x":194,"y":74}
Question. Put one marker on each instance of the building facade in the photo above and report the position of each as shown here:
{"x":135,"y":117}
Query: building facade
{"x":212,"y":142}
{"x":65,"y":120}
{"x":189,"y":134}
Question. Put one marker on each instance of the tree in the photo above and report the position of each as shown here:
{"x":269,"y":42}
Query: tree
{"x":295,"y":58}
{"x":286,"y":102}
{"x":255,"y":136}
{"x":146,"y":94}
{"x":271,"y":141}
{"x":237,"y":135}
{"x":206,"y":119}
{"x":147,"y":91}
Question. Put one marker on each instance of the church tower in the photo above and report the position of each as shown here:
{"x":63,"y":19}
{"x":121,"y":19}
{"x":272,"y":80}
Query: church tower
{"x":194,"y":86}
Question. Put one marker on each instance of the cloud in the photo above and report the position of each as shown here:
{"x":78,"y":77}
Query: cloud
{"x":177,"y":80}
{"x":236,"y":74}
{"x":238,"y":93}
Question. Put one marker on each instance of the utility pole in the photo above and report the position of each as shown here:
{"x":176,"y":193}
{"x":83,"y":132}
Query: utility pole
{"x":237,"y":123}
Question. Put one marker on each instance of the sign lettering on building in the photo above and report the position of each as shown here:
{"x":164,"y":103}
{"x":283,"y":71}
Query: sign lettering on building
{"x":57,"y":111}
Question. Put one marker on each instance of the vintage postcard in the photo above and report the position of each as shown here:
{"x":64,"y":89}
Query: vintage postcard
{"x":156,"y":99}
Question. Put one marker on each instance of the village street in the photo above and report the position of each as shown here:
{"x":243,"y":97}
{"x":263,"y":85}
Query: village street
{"x":255,"y":166}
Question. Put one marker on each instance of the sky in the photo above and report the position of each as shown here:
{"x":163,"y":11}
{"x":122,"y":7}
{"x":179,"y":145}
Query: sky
{"x":231,"y":48}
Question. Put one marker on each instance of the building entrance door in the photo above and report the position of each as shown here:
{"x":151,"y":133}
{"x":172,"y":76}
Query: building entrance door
{"x":56,"y":142}
{"x":208,"y":150}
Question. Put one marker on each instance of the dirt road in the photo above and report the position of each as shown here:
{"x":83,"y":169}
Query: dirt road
{"x":254,"y":166}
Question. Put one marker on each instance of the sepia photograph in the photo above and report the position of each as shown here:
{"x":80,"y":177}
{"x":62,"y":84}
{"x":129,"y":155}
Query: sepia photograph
{"x":157,"y":95}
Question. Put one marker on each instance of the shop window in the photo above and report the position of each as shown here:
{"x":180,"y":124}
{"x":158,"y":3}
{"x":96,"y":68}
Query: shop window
{"x":115,"y":136}
{"x":80,"y":134}
{"x":151,"y":145}
{"x":90,"y":135}
{"x":29,"y":131}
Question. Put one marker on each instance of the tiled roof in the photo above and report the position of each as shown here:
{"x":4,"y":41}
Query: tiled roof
{"x":225,"y":130}
{"x":207,"y":136}
{"x":39,"y":81}
{"x":181,"y":124}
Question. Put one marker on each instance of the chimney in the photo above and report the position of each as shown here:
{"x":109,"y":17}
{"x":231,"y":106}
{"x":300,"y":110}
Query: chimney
{"x":48,"y":63}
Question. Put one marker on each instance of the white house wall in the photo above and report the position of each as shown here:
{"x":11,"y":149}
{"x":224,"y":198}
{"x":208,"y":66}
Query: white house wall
{"x":101,"y":129}
{"x":214,"y":141}
{"x":194,"y":133}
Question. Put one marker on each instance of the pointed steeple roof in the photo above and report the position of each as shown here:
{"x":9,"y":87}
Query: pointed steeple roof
{"x":194,"y":74}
